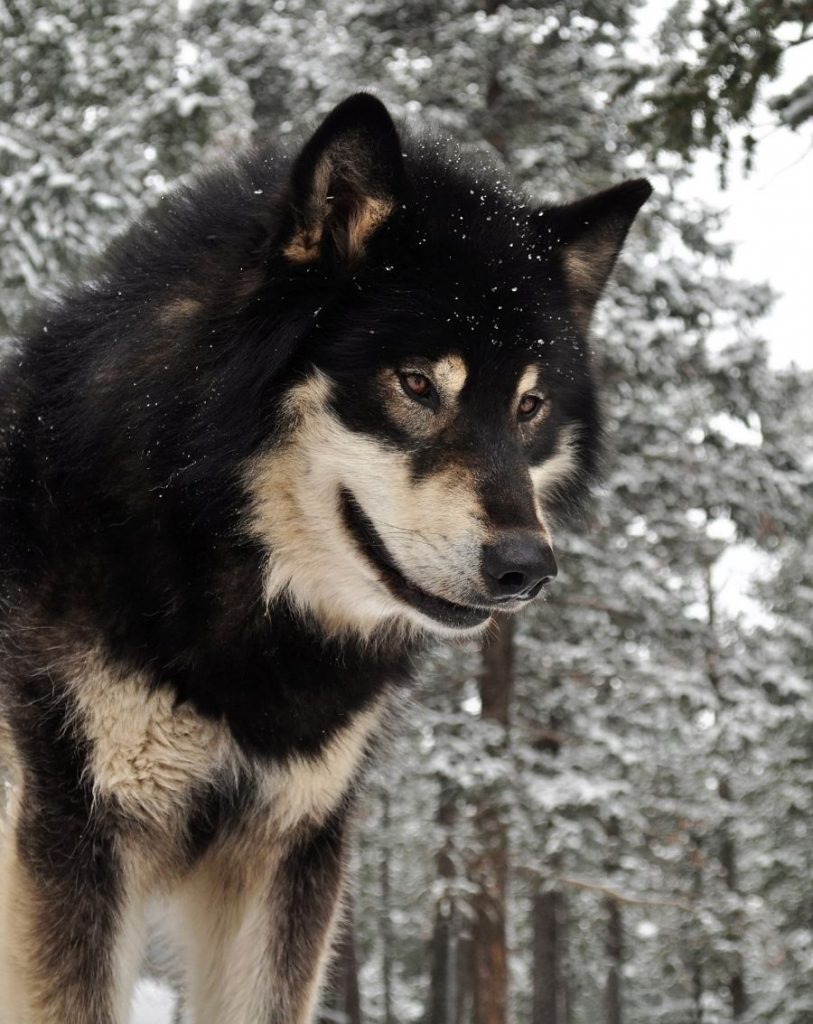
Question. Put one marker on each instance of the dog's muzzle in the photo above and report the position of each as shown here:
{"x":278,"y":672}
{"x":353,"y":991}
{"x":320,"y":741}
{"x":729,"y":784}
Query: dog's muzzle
{"x":513,"y":571}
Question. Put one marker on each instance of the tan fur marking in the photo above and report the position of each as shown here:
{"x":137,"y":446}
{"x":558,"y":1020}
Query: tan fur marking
{"x":226,"y":908}
{"x":151,"y":758}
{"x":579,"y":270}
{"x":182,"y":308}
{"x":222,"y":925}
{"x":23,"y":992}
{"x":225,"y":920}
{"x":411,"y":417}
{"x":528,"y":381}
{"x":304,"y":246}
{"x":16,"y":907}
{"x":586,"y":271}
{"x":562,"y":465}
{"x":449,"y":375}
{"x":369,"y":216}
{"x":312,"y":787}
{"x":147,"y":753}
{"x":130,"y":944}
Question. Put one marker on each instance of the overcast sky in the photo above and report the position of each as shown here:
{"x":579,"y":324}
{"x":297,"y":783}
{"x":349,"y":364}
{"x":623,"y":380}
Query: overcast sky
{"x":769,"y":212}
{"x":770,"y":217}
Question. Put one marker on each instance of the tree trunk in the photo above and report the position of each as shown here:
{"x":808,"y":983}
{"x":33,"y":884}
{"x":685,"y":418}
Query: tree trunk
{"x":691,"y":938}
{"x":697,"y":990}
{"x":548,"y":1002}
{"x":465,"y":974}
{"x":614,"y":943}
{"x":551,"y":981}
{"x":497,"y":676}
{"x":489,"y":947}
{"x":444,"y":1001}
{"x":385,"y":920}
{"x":489,"y":870}
{"x":615,"y":948}
{"x":728,"y":860}
{"x":566,"y":978}
{"x":728,"y":849}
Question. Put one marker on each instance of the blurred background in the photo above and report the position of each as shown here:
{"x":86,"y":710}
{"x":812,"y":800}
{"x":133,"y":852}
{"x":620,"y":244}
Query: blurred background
{"x":604,"y":814}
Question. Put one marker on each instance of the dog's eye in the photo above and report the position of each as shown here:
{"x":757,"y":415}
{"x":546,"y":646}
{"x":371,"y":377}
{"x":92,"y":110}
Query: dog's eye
{"x":417,"y":386}
{"x":529,"y":406}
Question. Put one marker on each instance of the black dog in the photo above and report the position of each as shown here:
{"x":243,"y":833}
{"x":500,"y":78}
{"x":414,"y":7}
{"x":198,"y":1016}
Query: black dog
{"x":309,"y":412}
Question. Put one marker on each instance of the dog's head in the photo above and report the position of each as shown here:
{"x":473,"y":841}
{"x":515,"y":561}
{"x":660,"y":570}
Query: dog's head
{"x":440,"y":413}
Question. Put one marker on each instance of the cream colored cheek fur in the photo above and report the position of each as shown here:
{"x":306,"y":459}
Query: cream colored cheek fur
{"x":431,"y":528}
{"x":563,"y":465}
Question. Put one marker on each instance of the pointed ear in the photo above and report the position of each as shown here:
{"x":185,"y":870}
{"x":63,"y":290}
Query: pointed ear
{"x":589,"y":234}
{"x":345,"y":183}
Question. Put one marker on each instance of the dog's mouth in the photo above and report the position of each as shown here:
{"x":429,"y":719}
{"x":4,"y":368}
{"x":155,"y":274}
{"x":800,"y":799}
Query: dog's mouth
{"x":368,"y":539}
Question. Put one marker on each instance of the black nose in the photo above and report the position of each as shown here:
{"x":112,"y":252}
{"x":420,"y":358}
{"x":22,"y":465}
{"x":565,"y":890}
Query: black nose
{"x":518,"y":565}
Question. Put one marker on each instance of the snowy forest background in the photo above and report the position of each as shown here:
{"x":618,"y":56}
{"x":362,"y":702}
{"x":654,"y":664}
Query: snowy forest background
{"x":605,"y":814}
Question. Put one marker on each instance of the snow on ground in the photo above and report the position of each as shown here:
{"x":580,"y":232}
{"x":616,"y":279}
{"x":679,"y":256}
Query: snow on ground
{"x":152,"y":1003}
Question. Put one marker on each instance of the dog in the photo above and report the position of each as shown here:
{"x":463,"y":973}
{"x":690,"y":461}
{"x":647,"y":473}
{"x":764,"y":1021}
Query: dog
{"x":313,"y":410}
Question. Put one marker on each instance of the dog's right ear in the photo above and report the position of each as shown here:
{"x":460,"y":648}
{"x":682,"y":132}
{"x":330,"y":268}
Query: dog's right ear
{"x":345,"y":184}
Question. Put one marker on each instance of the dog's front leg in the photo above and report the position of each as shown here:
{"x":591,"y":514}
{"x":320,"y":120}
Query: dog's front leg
{"x":258,"y":924}
{"x":69,"y":939}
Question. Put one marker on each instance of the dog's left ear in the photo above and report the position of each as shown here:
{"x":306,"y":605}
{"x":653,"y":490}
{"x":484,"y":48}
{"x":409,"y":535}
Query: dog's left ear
{"x":589,"y":235}
{"x":345,"y":183}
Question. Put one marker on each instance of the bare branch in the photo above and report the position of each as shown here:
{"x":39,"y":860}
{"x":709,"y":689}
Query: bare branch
{"x":605,"y":890}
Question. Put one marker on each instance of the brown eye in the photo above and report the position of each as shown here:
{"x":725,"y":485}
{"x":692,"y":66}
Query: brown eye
{"x":529,"y":406}
{"x":416,"y":385}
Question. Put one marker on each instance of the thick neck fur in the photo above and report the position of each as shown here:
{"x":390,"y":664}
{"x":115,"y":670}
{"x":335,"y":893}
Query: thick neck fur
{"x":186,"y":609}
{"x":123,"y":449}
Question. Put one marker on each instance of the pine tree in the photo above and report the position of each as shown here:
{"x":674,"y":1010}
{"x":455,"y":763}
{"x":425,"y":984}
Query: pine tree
{"x":719,"y":58}
{"x":101,"y":108}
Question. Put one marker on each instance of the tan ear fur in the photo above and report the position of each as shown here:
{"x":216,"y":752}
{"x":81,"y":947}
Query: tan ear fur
{"x":586,"y":268}
{"x":367,"y":215}
{"x":589,"y":234}
{"x":345,"y":183}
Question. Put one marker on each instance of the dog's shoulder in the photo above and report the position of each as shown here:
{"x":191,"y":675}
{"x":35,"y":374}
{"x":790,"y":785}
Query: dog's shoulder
{"x":153,"y":759}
